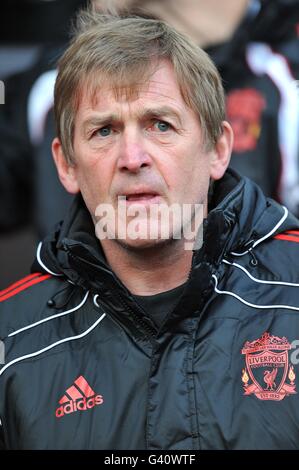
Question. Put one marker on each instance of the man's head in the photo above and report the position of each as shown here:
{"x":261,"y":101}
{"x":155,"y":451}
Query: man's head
{"x":122,"y":51}
{"x":139,"y":109}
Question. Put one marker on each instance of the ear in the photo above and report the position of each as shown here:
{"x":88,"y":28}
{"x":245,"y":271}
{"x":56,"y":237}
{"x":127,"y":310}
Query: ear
{"x":66,"y":171}
{"x":220,"y":155}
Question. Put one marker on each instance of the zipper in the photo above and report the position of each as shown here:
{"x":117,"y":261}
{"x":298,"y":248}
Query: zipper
{"x":145,"y":326}
{"x":151,"y":331}
{"x":174,"y":308}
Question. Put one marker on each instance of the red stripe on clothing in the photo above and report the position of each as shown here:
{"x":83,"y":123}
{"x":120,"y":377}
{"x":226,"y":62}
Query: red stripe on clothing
{"x":288,"y":238}
{"x":18,"y":283}
{"x":293,"y":232}
{"x":63,"y":400}
{"x":74,"y":393}
{"x":24,"y":287}
{"x":84,"y":387}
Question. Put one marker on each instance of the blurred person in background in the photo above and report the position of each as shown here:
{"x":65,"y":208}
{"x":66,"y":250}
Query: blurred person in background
{"x":28,"y":99}
{"x":33,"y":34}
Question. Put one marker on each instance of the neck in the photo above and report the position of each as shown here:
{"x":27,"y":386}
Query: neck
{"x":151,"y":270}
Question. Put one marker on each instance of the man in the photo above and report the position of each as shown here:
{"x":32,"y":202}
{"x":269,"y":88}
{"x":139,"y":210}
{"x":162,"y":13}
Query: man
{"x":123,"y":340}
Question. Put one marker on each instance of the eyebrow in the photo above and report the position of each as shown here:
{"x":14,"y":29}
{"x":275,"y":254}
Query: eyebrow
{"x":162,"y":111}
{"x":98,"y":121}
{"x":101,"y":120}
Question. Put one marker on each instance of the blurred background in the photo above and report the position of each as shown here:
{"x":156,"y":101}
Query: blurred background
{"x":254,"y":43}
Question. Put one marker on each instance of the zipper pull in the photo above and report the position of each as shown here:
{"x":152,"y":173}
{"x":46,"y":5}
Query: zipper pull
{"x":253,"y":261}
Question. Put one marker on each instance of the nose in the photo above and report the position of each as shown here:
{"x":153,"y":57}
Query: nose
{"x":133,"y":155}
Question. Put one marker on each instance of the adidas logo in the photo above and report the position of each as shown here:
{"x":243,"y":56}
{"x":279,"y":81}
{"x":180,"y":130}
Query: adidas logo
{"x":78,"y":397}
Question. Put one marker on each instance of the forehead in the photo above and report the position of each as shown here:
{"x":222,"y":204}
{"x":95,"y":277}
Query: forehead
{"x":159,"y":86}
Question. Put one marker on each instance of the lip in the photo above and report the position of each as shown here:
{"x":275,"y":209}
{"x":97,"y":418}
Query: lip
{"x":143,"y":199}
{"x":141,"y":196}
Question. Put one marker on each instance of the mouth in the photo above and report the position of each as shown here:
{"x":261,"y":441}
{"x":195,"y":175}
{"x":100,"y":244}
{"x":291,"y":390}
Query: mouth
{"x":139,"y":197}
{"x":142,"y":197}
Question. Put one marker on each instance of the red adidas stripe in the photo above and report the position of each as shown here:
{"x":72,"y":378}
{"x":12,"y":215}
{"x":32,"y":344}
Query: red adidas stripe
{"x":84,"y":386}
{"x":293,"y":232}
{"x":288,"y":238}
{"x":18,"y":283}
{"x":34,"y":280}
{"x":74,"y":393}
{"x":82,"y":389}
{"x":63,"y":400}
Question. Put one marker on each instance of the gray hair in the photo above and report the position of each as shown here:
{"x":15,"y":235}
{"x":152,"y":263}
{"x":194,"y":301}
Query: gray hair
{"x":122,"y":50}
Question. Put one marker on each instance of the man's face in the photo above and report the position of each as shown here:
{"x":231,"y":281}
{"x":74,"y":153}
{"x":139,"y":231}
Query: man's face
{"x":147,"y":150}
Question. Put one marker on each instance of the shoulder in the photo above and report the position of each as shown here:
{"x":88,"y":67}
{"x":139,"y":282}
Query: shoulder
{"x":281,"y":255}
{"x":290,"y":236}
{"x":22,"y":285}
{"x":267,"y":274}
{"x":27,"y":301}
{"x":274,"y":259}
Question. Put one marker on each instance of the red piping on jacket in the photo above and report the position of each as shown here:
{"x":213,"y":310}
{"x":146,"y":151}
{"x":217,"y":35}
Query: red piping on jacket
{"x":22,"y":284}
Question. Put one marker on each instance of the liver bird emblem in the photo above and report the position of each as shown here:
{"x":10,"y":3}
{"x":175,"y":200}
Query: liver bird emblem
{"x":269,"y":378}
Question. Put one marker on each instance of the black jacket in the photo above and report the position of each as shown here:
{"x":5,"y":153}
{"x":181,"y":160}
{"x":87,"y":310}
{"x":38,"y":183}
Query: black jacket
{"x":85,"y":368}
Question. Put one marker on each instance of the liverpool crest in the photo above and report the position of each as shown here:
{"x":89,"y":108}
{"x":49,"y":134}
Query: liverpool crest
{"x":268,"y":369}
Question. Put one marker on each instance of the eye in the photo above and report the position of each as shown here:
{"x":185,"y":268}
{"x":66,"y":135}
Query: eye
{"x":162,"y":126}
{"x":104,"y":131}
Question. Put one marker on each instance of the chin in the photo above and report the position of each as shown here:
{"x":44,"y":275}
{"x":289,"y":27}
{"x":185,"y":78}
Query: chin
{"x":140,"y":245}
